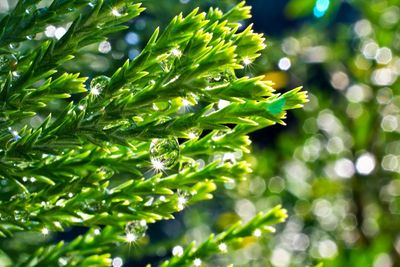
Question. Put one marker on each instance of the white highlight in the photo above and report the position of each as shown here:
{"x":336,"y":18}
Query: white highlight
{"x":284,"y":63}
{"x":247,"y":61}
{"x":116,"y":12}
{"x":257,"y":233}
{"x":223,"y":247}
{"x":177,"y":251}
{"x":45,"y":231}
{"x":158,"y":165}
{"x":117,"y":262}
{"x":365,"y":164}
{"x":176,"y":52}
{"x":197,"y":262}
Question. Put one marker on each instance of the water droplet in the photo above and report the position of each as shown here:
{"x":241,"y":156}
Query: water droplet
{"x":149,"y":202}
{"x":118,"y":11}
{"x":131,"y":87}
{"x":182,"y":199}
{"x":135,"y":230}
{"x":257,"y":233}
{"x":161,"y":106}
{"x":98,"y":84}
{"x":164,"y":153}
{"x":16,"y":75}
{"x":30,"y":9}
{"x":177,"y":251}
{"x":223,"y":103}
{"x":218,"y":79}
{"x":62,"y":261}
{"x":176,"y":52}
{"x":223,"y":247}
{"x":219,"y":135}
{"x":215,"y":78}
{"x":194,"y":133}
{"x":15,"y":134}
{"x":13,"y":45}
{"x":30,"y":37}
{"x":124,"y":123}
{"x":197,"y":262}
{"x":247,"y":61}
{"x":45,"y":231}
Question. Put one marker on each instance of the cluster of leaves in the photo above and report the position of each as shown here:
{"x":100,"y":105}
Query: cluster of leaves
{"x":78,"y":156}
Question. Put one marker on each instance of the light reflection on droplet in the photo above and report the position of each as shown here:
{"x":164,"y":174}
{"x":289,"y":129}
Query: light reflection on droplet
{"x":177,"y":251}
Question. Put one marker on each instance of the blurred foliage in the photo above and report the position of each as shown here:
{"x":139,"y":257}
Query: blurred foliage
{"x":337,"y":172}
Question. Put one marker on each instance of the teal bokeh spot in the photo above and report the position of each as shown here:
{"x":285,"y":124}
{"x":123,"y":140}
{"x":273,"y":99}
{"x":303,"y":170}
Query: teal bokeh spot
{"x":320,"y":8}
{"x":276,"y":106}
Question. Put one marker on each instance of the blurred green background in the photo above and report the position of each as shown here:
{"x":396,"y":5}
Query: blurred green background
{"x":335,"y":167}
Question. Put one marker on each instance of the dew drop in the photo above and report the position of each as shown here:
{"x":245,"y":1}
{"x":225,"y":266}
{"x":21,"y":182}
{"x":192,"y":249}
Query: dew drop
{"x":14,"y":133}
{"x":218,"y":79}
{"x":30,"y":10}
{"x":219,"y":135}
{"x":176,"y":52}
{"x":197,"y":262}
{"x":194,"y":133}
{"x":164,"y":153}
{"x":13,"y":45}
{"x":98,"y":84}
{"x":177,"y":251}
{"x":62,"y":261}
{"x":118,"y":11}
{"x":135,"y":230}
{"x":30,"y":37}
{"x":162,"y":105}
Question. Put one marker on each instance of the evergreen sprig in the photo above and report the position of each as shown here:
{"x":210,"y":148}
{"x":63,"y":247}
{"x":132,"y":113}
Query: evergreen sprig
{"x":157,"y":136}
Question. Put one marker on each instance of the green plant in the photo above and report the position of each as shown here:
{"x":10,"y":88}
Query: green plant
{"x":124,"y":151}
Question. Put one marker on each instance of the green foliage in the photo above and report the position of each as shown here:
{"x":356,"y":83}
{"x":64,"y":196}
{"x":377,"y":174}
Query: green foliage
{"x":73,"y":155}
